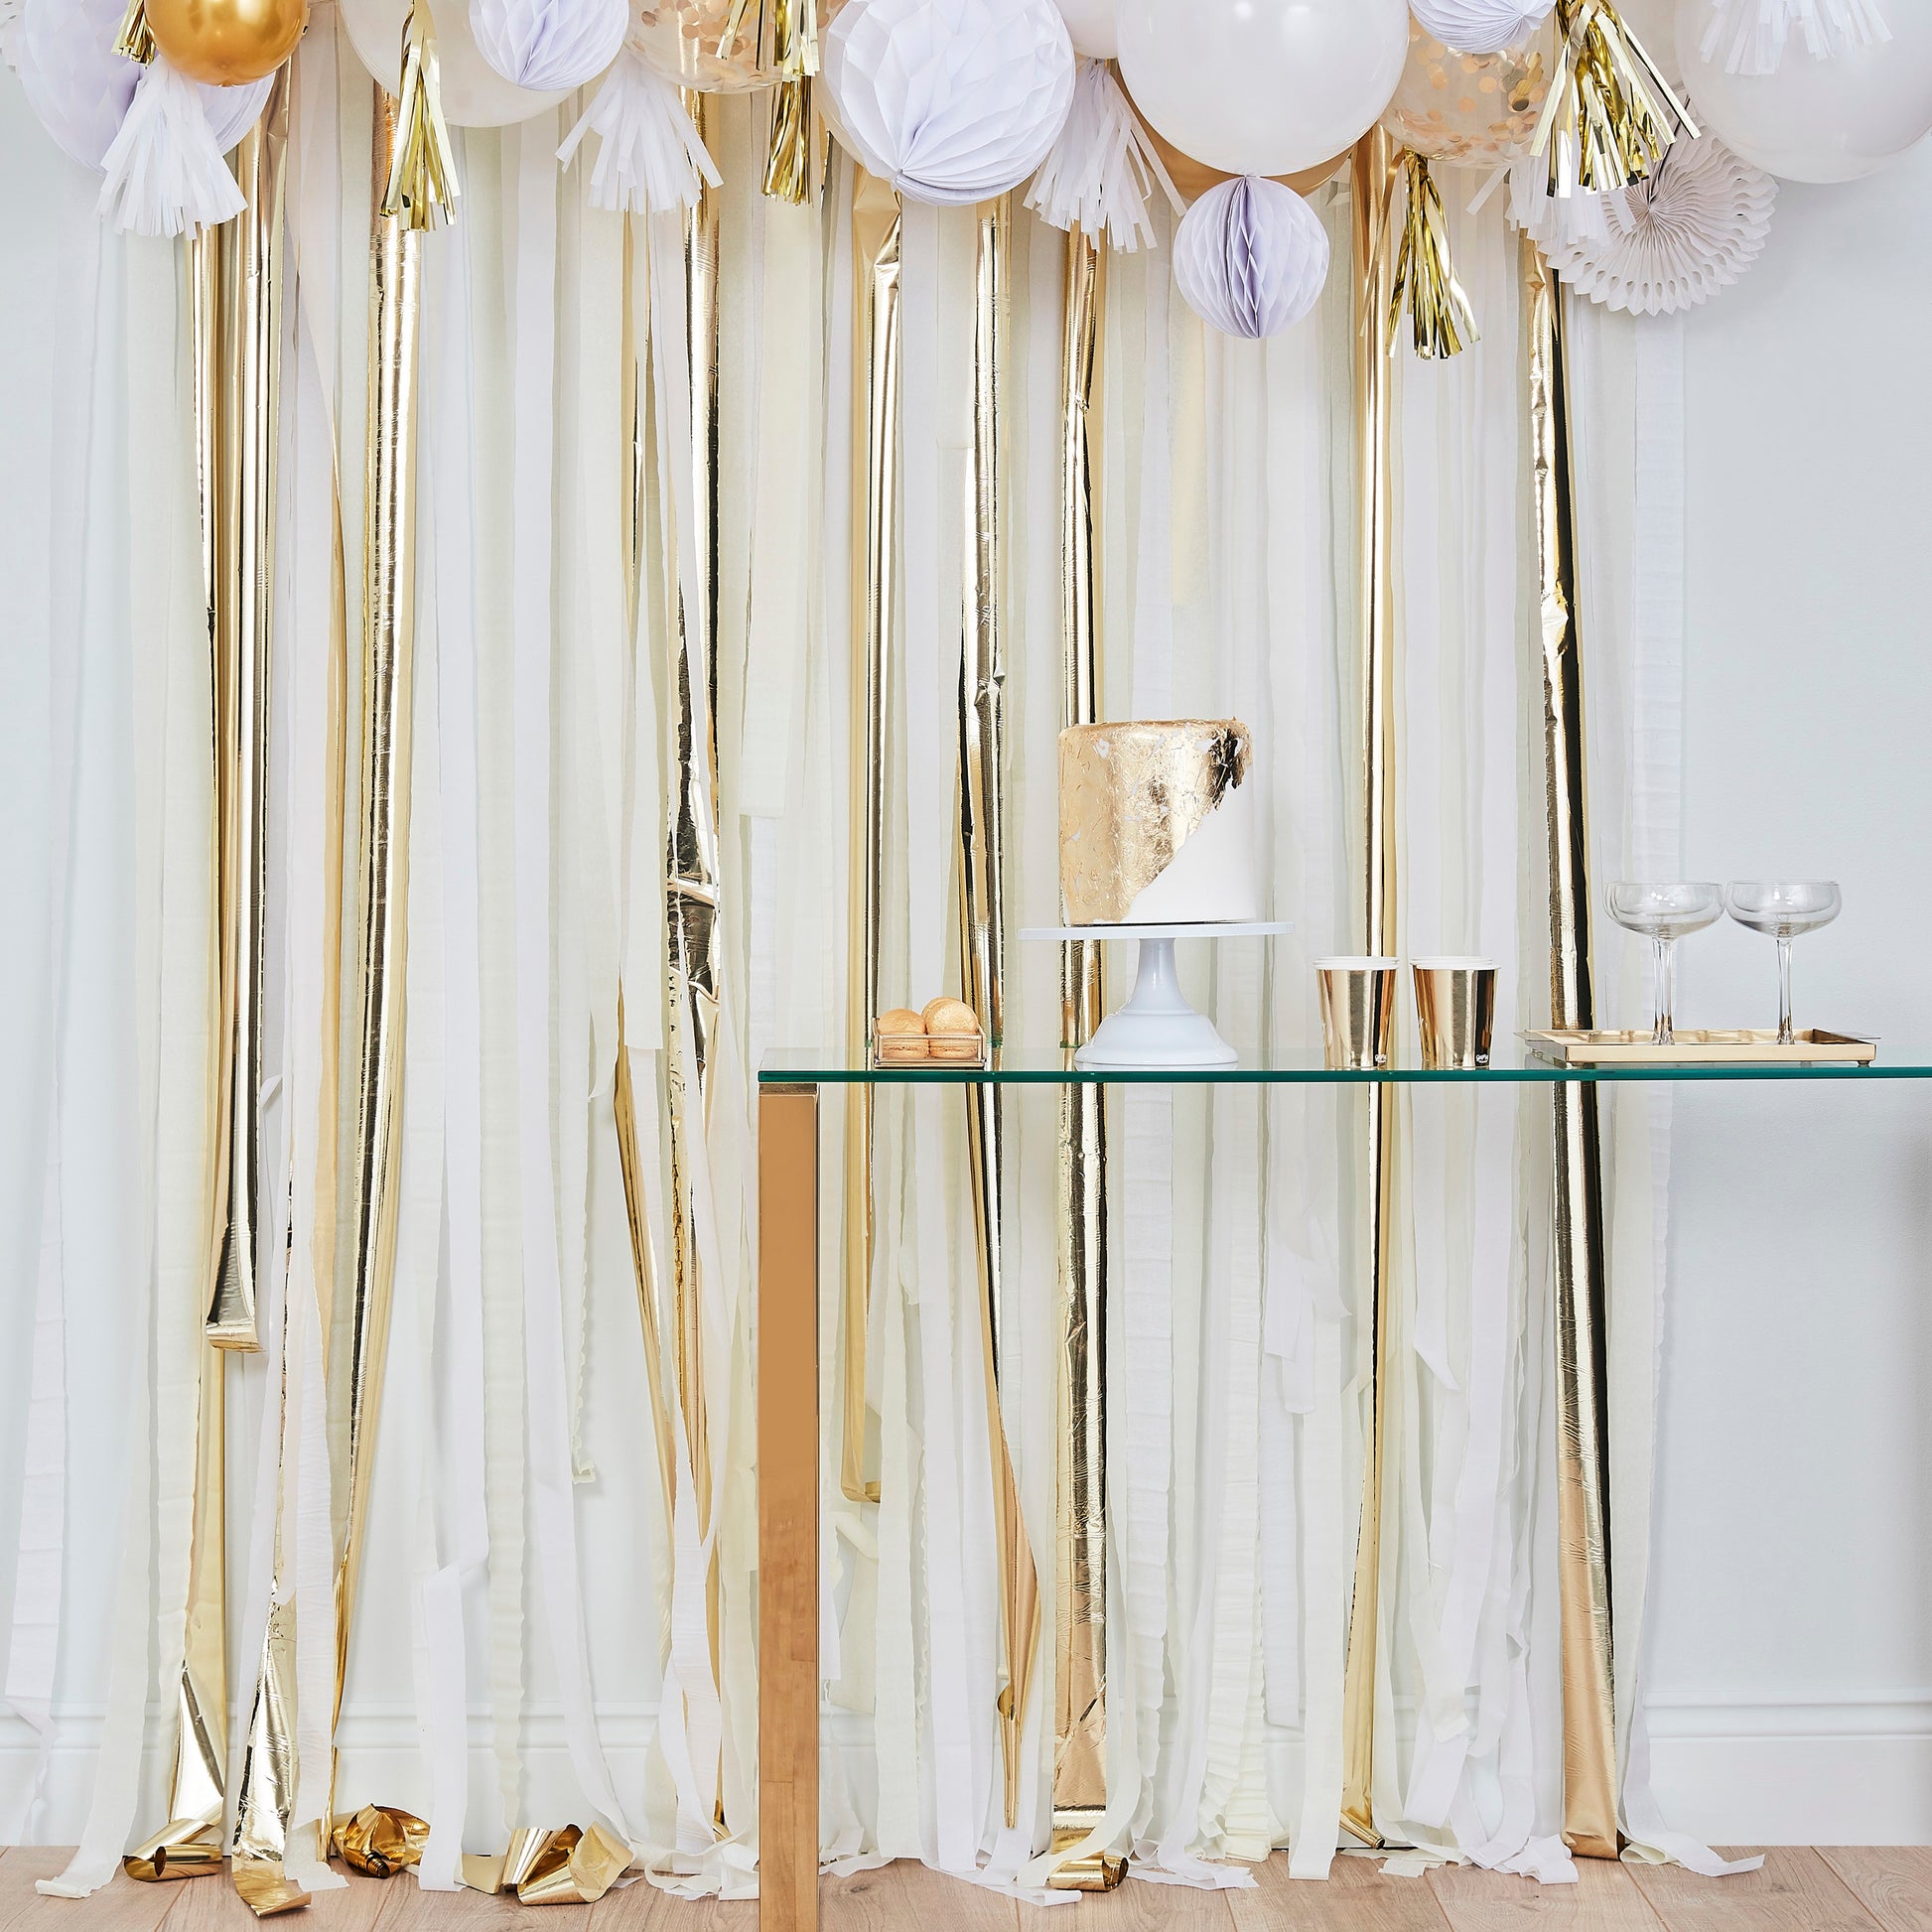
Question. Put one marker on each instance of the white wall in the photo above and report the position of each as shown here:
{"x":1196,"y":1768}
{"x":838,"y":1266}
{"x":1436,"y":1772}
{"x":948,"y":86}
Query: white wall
{"x":1791,"y":1677}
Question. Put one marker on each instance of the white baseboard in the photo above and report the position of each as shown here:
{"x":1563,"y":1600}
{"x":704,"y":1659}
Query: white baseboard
{"x":1855,"y":1772}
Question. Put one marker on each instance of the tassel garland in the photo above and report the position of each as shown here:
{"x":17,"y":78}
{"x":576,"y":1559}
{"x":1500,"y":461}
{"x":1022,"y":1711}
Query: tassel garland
{"x":1440,"y":321}
{"x":1101,"y":168}
{"x":794,"y":157}
{"x":652,"y":159}
{"x":422,"y":189}
{"x":1750,"y":35}
{"x":1611,"y":114}
{"x":135,"y":41}
{"x":165,"y":171}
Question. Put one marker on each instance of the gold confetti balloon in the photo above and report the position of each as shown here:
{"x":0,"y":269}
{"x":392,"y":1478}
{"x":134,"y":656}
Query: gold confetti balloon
{"x":718,"y":47}
{"x":226,"y":43}
{"x":1470,"y":111}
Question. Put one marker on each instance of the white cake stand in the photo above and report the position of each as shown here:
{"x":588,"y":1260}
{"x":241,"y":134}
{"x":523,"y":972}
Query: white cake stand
{"x":1156,"y":1026}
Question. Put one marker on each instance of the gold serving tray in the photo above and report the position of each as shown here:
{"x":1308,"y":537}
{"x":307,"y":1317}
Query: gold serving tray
{"x":1738,"y":1047}
{"x":955,"y":1051}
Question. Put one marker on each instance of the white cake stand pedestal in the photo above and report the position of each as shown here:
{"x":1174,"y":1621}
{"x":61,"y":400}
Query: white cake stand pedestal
{"x":1156,"y":1026}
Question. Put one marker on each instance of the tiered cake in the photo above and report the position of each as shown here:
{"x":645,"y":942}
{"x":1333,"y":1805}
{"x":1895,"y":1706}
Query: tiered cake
{"x":1157,"y":824}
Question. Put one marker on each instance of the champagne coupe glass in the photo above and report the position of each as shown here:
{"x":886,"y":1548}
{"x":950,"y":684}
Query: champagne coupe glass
{"x":1783,"y":907}
{"x":1664,"y":914}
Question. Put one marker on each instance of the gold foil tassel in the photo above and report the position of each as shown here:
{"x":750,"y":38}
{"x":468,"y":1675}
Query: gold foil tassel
{"x":874,"y":569}
{"x":981,"y":948}
{"x":1440,"y":319}
{"x":421,"y":189}
{"x":1080,"y":1621}
{"x":1611,"y":114}
{"x":1590,"y":1825}
{"x":135,"y":41}
{"x":1374,"y":849}
{"x":794,"y":155}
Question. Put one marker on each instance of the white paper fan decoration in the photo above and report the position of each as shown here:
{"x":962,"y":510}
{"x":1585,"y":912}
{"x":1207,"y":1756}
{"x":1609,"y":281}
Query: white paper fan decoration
{"x":549,"y":44}
{"x":1749,"y":36}
{"x":1480,"y":26}
{"x":952,"y":101}
{"x":1251,"y":257}
{"x":1674,"y":240}
{"x":1102,"y":168}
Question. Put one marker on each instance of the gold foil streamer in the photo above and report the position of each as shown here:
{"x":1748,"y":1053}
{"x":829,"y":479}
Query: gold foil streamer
{"x":691,"y":904}
{"x":1582,"y":1375}
{"x":1131,"y":796}
{"x":240,"y":432}
{"x":1610,"y":115}
{"x":135,"y":41}
{"x":1080,"y":1620}
{"x":1375,"y":855}
{"x":1441,"y":323}
{"x":571,"y":1866}
{"x":875,"y":443}
{"x":263,"y":1889}
{"x":379,"y":1840}
{"x":982,"y":943}
{"x":420,"y":189}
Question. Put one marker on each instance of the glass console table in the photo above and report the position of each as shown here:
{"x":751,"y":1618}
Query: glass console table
{"x":790,"y":1084}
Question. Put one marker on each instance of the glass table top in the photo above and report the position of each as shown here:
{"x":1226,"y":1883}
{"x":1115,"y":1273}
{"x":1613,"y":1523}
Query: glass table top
{"x":1512,"y":1064}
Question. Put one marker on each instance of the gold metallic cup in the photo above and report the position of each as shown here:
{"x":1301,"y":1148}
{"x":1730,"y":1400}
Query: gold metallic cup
{"x":1456,"y":1005}
{"x":1357,"y":1009}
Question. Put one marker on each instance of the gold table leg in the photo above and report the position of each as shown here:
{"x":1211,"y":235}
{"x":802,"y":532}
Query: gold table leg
{"x":788,"y":1484}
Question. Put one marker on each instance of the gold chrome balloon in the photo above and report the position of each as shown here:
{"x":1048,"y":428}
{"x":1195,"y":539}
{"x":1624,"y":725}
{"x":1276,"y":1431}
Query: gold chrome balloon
{"x":226,"y":43}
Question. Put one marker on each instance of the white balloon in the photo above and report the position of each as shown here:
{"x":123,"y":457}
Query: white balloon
{"x":1480,"y":26}
{"x":82,"y":88}
{"x":1094,"y":27}
{"x":1263,"y":87}
{"x":950,"y":101}
{"x":475,"y":94}
{"x":1817,"y":120}
{"x":547,"y":44}
{"x":1251,"y":257}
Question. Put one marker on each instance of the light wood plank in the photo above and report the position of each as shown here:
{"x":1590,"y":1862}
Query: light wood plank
{"x":1893,"y":1882}
{"x":1796,"y":1891}
{"x":1355,"y":1898}
{"x":644,"y":1908}
{"x":212,"y":1905}
{"x":411,"y":1909}
{"x":1135,"y":1906}
{"x":899,"y":1897}
{"x":1603,"y":1899}
{"x":123,"y":1905}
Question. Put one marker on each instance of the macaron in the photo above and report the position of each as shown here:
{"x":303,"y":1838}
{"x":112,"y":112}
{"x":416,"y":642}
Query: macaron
{"x":900,"y":1035}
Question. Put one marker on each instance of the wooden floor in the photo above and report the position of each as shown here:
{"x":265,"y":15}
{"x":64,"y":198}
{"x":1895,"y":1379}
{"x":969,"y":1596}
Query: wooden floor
{"x":1799,"y":1890}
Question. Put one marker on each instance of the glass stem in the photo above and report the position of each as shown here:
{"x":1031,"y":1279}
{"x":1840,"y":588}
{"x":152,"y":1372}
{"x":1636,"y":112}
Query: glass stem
{"x":1784,"y":991}
{"x":1661,"y":1034}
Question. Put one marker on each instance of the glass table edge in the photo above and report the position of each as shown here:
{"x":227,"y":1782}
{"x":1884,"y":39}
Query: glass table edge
{"x":779,"y":1072}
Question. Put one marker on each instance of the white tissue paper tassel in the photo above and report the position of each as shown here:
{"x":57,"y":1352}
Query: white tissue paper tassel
{"x":1749,"y":36}
{"x":651,"y":157}
{"x":1480,"y":26}
{"x":1549,"y":221}
{"x":545,"y":44}
{"x":1101,"y":168}
{"x":165,"y":172}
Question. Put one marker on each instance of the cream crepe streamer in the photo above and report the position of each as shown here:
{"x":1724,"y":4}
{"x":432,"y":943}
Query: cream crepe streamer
{"x":173,"y":804}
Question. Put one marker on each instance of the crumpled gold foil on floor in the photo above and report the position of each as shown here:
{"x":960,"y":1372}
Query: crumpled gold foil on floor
{"x":379,"y":1840}
{"x":571,"y":1866}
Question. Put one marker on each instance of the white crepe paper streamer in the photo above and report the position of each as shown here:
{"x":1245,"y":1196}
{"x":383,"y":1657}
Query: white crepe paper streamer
{"x":1251,"y":257}
{"x":1101,"y":169}
{"x":1674,"y":240}
{"x":1480,"y":26}
{"x":651,"y":158}
{"x":165,"y":172}
{"x":951,"y":102}
{"x":1749,"y":36}
{"x":546,"y":44}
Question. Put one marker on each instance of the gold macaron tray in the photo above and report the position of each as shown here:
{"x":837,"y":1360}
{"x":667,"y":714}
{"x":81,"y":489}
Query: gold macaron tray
{"x":1695,"y":1047}
{"x":944,"y":1034}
